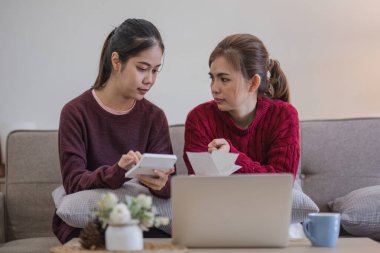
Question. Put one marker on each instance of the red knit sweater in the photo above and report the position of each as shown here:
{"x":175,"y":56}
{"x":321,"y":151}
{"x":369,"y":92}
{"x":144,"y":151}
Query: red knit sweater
{"x":270,"y":144}
{"x":92,"y":140}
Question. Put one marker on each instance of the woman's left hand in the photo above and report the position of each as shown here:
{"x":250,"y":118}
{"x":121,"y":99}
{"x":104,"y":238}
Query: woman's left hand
{"x":156,"y":182}
{"x":219,"y":144}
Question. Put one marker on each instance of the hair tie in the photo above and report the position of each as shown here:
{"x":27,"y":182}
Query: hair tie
{"x":270,"y":64}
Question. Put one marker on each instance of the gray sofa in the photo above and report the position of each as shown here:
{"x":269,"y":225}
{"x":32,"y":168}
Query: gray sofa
{"x":26,"y":208}
{"x":338,"y":156}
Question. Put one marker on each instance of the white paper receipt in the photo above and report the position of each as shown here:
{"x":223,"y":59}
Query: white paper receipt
{"x":217,"y":163}
{"x":149,"y":162}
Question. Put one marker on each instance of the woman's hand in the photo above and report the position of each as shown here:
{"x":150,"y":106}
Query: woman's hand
{"x":156,"y":182}
{"x":219,"y":144}
{"x":130,"y":159}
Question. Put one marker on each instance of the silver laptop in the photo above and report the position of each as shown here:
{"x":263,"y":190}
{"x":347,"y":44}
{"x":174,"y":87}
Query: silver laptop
{"x":233,"y":211}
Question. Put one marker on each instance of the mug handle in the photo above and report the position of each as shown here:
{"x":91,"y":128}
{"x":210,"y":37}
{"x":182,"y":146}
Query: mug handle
{"x":306,"y":224}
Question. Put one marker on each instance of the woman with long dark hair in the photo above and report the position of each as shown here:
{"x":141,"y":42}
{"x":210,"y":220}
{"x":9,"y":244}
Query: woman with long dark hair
{"x":104,"y":131}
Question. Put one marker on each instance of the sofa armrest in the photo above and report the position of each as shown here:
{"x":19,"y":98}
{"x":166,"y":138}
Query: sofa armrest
{"x":2,"y":218}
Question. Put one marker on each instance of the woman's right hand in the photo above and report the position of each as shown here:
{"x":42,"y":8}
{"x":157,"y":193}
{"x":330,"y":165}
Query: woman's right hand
{"x":130,"y":159}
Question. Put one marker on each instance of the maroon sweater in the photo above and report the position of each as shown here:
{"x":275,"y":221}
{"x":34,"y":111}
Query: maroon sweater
{"x":270,"y":144}
{"x":92,"y":141}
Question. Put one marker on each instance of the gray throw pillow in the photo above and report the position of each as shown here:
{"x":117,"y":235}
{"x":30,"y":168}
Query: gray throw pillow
{"x":360,"y":211}
{"x":302,"y":205}
{"x":76,"y":209}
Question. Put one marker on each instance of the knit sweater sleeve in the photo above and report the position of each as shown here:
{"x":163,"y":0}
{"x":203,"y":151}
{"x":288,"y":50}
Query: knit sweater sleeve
{"x":284,"y":149}
{"x":196,"y":137}
{"x":72,"y":153}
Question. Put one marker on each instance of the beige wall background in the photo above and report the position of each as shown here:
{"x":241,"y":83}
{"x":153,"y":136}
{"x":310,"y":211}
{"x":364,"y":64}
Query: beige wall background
{"x":49,"y":52}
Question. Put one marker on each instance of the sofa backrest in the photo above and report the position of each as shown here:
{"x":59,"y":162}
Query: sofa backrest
{"x":177,"y":136}
{"x":339,"y":156}
{"x":32,"y":173}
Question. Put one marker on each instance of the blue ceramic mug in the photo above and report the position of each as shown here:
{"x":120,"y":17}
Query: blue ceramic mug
{"x":322,"y":229}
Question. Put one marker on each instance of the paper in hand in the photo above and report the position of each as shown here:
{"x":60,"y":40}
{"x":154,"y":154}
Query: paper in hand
{"x":217,"y":163}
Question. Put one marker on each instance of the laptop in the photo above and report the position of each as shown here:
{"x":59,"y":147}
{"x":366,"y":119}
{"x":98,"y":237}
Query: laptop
{"x":233,"y":211}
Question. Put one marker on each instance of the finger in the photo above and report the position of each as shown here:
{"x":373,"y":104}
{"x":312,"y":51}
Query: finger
{"x":148,"y":179}
{"x":150,"y":182}
{"x":213,"y":143}
{"x":149,"y":185}
{"x":126,"y":161}
{"x":219,"y":142}
{"x":212,"y":149}
{"x":128,"y":157}
{"x":135,"y":156}
{"x":159,"y":180}
{"x":224,"y":148}
{"x":130,"y":152}
{"x":170,"y":171}
{"x":138,"y":155}
{"x":160,"y":173}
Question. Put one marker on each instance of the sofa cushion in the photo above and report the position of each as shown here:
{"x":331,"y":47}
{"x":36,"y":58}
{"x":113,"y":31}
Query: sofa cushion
{"x":360,"y":211}
{"x":302,"y":205}
{"x":32,"y":172}
{"x":77,"y":209}
{"x":30,"y":245}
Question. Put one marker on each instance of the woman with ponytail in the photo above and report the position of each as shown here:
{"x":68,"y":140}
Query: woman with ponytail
{"x":250,"y":114}
{"x":104,"y":131}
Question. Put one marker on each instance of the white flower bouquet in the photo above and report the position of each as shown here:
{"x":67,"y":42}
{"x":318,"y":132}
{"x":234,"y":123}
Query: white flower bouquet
{"x":111,"y":211}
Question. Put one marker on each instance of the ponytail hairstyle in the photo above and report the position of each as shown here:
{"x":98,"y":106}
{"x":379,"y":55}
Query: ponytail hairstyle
{"x":248,"y":54}
{"x":128,"y":40}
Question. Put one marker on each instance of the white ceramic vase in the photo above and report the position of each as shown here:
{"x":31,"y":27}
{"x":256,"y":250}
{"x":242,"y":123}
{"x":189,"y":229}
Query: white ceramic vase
{"x":127,"y":236}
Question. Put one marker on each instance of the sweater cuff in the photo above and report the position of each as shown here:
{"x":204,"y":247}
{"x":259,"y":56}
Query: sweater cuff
{"x":232,"y":148}
{"x":118,"y":177}
{"x":164,"y":193}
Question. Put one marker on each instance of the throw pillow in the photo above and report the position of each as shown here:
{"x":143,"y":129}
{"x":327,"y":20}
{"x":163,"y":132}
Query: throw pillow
{"x":76,"y":209}
{"x":360,"y":211}
{"x":302,"y":205}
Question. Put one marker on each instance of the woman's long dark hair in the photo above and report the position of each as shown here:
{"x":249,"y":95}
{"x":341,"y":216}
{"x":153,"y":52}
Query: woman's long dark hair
{"x":128,"y":40}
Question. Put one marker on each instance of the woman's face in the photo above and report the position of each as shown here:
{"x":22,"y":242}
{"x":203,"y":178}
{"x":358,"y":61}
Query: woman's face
{"x":138,"y":75}
{"x":231,"y":91}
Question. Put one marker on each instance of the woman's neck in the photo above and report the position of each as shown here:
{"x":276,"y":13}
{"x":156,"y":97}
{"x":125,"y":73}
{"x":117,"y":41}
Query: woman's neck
{"x":111,"y":98}
{"x":244,"y":116}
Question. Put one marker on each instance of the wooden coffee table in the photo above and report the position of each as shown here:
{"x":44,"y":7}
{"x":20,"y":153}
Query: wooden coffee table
{"x":344,"y":245}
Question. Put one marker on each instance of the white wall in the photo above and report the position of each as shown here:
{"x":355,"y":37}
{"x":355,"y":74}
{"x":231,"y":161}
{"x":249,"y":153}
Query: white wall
{"x":49,"y":52}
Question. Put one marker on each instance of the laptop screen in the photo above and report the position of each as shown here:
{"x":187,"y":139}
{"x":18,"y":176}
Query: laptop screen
{"x":251,"y":210}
